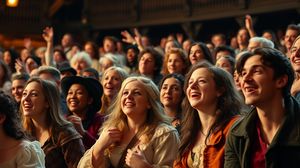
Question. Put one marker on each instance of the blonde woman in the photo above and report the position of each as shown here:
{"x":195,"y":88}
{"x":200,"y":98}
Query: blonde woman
{"x":42,"y":121}
{"x":111,"y":81}
{"x":137,"y":133}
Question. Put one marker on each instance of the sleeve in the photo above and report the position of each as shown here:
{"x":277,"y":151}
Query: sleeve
{"x":231,"y":157}
{"x":86,"y":160}
{"x":165,"y":148}
{"x":73,"y":151}
{"x":32,"y":156}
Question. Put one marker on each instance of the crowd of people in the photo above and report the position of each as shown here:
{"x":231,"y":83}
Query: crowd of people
{"x":182,"y":104}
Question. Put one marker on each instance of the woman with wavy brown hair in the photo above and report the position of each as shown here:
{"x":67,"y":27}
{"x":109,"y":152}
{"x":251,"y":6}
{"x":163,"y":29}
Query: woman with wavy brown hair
{"x":210,"y":108}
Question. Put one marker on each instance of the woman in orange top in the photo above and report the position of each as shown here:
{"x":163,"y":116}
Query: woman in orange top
{"x":210,"y":108}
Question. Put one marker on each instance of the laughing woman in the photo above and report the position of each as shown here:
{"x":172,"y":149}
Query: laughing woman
{"x":42,"y":121}
{"x":137,"y":133}
{"x":111,"y":81}
{"x":210,"y":109}
{"x":83,"y":101}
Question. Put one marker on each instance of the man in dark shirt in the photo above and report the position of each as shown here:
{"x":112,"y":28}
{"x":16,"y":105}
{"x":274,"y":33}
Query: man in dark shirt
{"x":269,"y":135}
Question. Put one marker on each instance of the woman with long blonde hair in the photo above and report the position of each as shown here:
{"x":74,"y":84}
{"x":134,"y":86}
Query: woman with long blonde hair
{"x":137,"y":132}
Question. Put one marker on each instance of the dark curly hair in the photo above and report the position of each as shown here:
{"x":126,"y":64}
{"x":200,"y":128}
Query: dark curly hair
{"x":12,"y":124}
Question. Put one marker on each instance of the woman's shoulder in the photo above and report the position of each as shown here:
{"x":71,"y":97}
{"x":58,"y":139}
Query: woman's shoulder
{"x":31,"y":153}
{"x":163,"y":128}
{"x":66,"y":133}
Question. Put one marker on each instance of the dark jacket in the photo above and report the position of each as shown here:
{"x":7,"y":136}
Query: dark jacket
{"x":284,"y":150}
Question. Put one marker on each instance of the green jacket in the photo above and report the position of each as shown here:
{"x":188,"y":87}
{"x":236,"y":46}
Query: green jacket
{"x":284,"y":151}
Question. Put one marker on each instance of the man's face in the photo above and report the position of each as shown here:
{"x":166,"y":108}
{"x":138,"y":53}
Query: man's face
{"x":258,"y":83}
{"x":295,"y":55}
{"x":290,"y":36}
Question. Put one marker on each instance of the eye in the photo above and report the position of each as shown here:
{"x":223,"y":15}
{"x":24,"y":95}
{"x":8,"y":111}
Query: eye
{"x":137,"y":93}
{"x":24,"y":94}
{"x":125,"y":93}
{"x":164,"y":88}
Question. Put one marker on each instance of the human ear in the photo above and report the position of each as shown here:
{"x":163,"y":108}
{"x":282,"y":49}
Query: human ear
{"x":282,"y":81}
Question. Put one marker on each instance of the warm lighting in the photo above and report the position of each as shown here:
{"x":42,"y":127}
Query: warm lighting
{"x":12,"y":3}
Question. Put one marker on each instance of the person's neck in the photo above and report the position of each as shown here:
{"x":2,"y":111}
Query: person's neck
{"x":171,"y":111}
{"x":135,"y":124}
{"x":242,"y":47}
{"x":81,"y":114}
{"x":270,"y":117}
{"x":207,"y":117}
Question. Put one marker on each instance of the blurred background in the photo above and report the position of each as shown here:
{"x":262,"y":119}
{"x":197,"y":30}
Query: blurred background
{"x":93,"y":19}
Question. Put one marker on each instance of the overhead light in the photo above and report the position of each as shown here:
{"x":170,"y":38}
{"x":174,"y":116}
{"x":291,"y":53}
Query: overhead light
{"x":12,"y":3}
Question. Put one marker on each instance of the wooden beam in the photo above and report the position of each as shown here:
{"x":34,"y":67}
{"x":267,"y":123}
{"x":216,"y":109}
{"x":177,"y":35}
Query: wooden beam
{"x":57,"y":4}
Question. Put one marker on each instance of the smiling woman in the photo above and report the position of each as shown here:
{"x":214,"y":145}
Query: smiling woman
{"x":209,"y":110}
{"x":83,"y":97}
{"x":137,"y":132}
{"x":42,"y":121}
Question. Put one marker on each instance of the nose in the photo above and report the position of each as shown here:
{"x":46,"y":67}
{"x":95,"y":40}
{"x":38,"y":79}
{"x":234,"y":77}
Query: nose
{"x":168,"y":90}
{"x":246,"y":77}
{"x":193,"y":85}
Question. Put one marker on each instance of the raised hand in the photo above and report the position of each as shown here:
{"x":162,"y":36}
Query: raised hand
{"x":48,"y":34}
{"x":127,"y":37}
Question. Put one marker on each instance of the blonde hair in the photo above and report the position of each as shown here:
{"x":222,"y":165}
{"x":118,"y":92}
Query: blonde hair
{"x":54,"y":117}
{"x":105,"y":101}
{"x":155,"y":115}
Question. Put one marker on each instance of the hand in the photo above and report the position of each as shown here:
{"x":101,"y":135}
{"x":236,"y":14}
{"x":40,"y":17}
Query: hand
{"x":77,"y":124}
{"x":48,"y":34}
{"x":127,"y":37}
{"x":135,"y":158}
{"x":248,"y":22}
{"x":19,"y":66}
{"x":108,"y":137}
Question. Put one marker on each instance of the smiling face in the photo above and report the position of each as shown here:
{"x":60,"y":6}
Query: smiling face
{"x":175,"y":64}
{"x":224,"y":64}
{"x":171,"y":93}
{"x":134,"y":100}
{"x":147,"y":64}
{"x":111,"y":83}
{"x":201,"y":91}
{"x":196,"y":54}
{"x":78,"y":99}
{"x":257,"y":82}
{"x":17,"y":89}
{"x":295,"y":55}
{"x":33,"y":102}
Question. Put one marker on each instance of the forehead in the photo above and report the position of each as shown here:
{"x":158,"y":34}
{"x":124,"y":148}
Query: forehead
{"x":252,"y":61}
{"x":201,"y":73}
{"x":112,"y":73}
{"x":174,"y":55}
{"x":291,"y":32}
{"x":18,"y":82}
{"x":222,"y":60}
{"x":134,"y":85}
{"x":33,"y":86}
{"x":196,"y":47}
{"x":171,"y":81}
{"x":297,"y":42}
{"x":147,"y":55}
{"x":77,"y":86}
